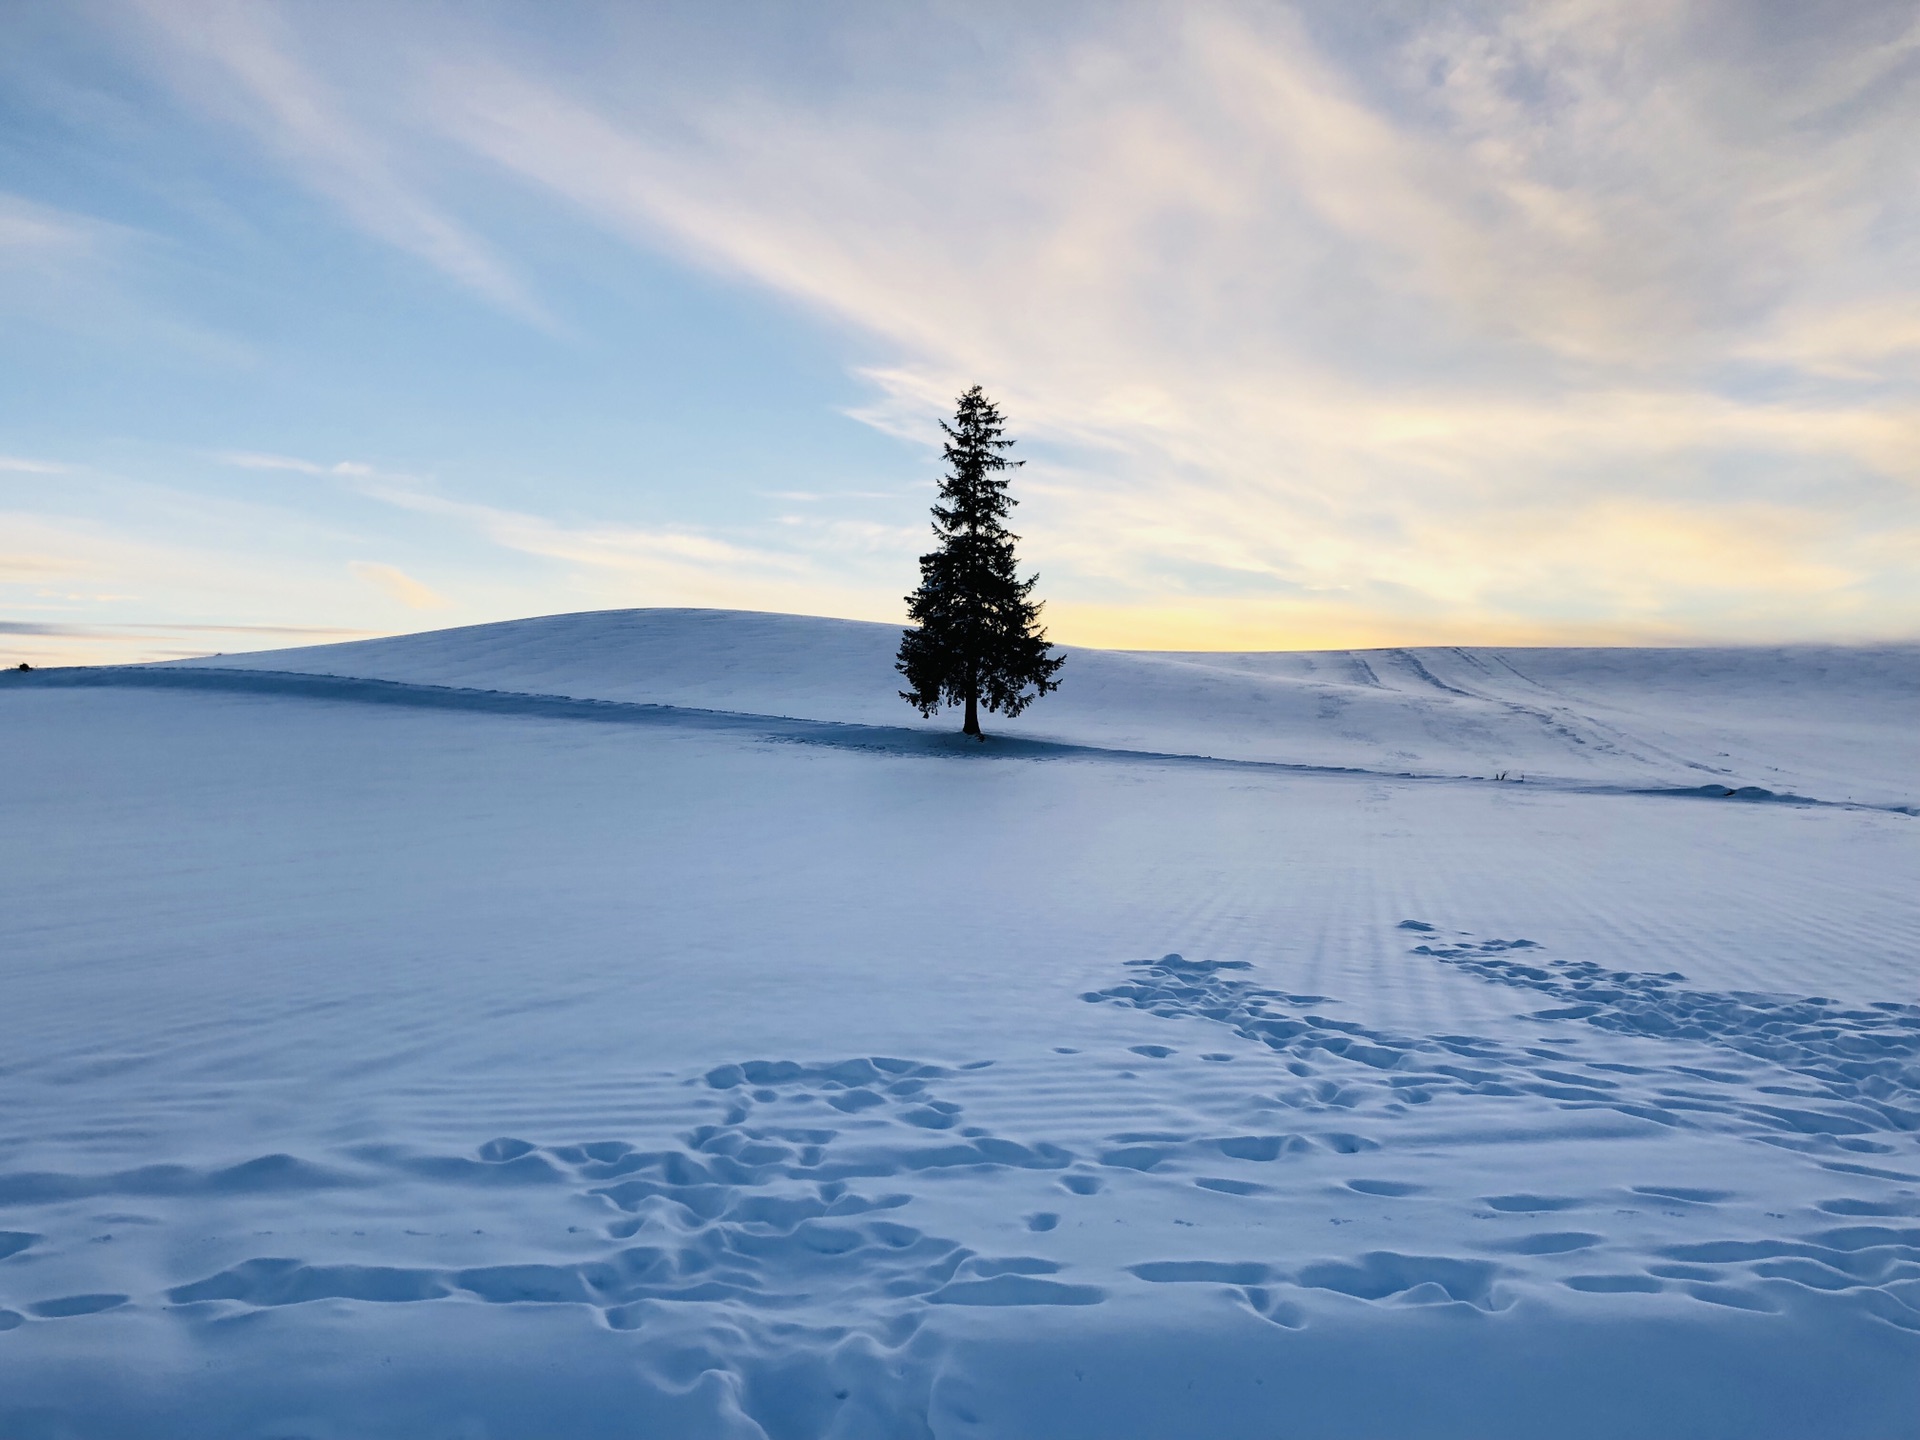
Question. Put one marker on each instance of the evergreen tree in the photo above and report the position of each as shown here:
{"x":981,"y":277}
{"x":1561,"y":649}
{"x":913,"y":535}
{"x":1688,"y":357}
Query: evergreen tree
{"x":978,"y":639}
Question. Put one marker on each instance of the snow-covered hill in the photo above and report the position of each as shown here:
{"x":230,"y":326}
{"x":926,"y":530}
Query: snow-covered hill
{"x":1837,"y":723}
{"x":387,"y":1052}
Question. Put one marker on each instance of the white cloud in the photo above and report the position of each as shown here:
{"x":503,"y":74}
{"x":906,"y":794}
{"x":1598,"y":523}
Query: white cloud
{"x":1470,"y":319}
{"x":616,"y":563}
{"x":1319,"y":338}
{"x":31,"y":230}
{"x":241,"y":60}
{"x":50,"y":257}
{"x":252,"y":460}
{"x":396,"y":584}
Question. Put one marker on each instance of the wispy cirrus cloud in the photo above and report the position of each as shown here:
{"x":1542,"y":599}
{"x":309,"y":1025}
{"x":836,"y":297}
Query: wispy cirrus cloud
{"x":253,"y":460}
{"x":241,"y":62}
{"x":607,"y":545}
{"x":20,"y":465}
{"x":33,"y":231}
{"x":77,"y":590}
{"x":396,"y":584}
{"x":48,"y":255}
{"x":610,"y":562}
{"x":1486,"y":295}
{"x":1323,"y":322}
{"x":632,"y":564}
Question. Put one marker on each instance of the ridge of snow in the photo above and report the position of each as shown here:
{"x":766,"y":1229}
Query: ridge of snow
{"x":1835,"y":721}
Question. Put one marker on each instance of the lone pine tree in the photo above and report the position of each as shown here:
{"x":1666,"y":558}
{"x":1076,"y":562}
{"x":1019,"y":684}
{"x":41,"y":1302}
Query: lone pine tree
{"x":977,"y":638}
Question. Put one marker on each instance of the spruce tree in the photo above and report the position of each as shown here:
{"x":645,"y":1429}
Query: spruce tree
{"x":977,"y":639}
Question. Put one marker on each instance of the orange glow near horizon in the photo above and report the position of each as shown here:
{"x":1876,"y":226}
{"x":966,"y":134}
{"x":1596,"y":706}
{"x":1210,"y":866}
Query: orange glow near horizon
{"x":1227,"y":629}
{"x":1172,"y":629}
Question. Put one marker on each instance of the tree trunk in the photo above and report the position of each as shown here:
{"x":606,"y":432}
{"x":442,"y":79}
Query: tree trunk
{"x":972,"y":727}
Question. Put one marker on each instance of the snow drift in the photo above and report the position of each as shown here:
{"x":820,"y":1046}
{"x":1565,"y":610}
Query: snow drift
{"x":1829,"y":721}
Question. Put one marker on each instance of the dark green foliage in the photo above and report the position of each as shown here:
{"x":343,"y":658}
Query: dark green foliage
{"x":978,"y":639}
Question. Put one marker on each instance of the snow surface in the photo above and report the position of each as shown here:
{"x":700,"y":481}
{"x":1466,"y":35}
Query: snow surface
{"x":1829,"y":721}
{"x":712,"y":1048}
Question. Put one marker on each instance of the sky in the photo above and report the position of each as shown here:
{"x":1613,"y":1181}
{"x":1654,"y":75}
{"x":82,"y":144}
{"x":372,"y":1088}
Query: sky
{"x":1318,"y":324}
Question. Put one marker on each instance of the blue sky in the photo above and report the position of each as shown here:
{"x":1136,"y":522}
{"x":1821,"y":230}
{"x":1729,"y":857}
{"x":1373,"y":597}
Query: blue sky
{"x":1320,"y":324}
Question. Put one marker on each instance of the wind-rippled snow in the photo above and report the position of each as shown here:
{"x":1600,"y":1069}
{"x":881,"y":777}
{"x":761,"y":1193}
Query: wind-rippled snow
{"x":391,"y":1060}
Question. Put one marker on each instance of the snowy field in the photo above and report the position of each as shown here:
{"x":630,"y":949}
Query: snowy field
{"x":642,"y":1025}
